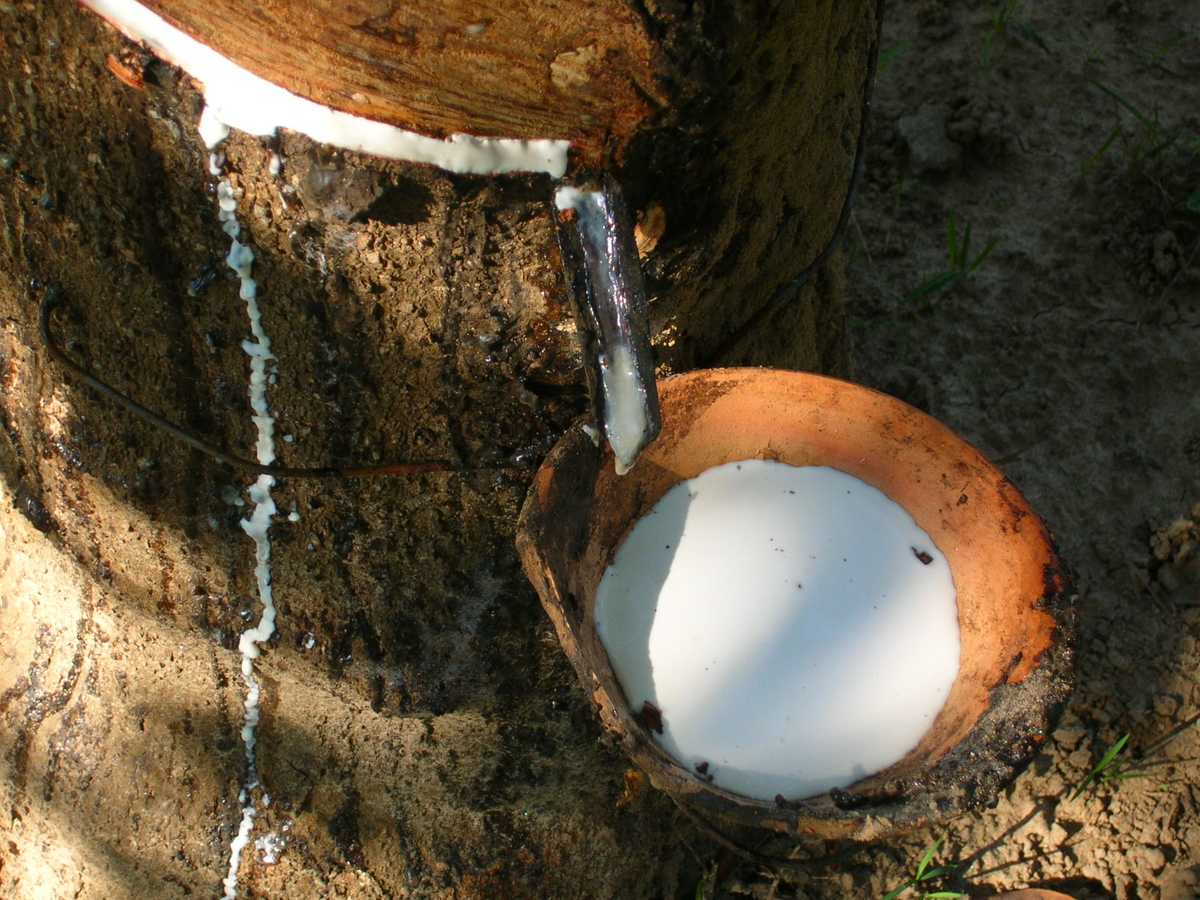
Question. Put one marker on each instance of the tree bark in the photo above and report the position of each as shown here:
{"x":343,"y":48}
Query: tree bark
{"x":422,"y":734}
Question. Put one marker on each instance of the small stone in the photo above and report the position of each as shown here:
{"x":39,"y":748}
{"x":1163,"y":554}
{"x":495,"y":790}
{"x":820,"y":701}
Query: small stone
{"x":1120,"y":660}
{"x":1080,"y":759}
{"x":1169,"y":578}
{"x":1069,"y":737}
{"x":935,"y":20}
{"x":1037,"y":828}
{"x":1054,"y":784}
{"x":931,"y":152}
{"x":1166,"y":705}
{"x":1154,"y":858}
{"x":1180,"y":884}
{"x":1166,"y":253}
{"x":1058,"y":835}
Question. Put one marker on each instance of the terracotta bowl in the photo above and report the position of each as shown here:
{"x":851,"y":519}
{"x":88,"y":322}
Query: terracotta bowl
{"x":1015,"y":615}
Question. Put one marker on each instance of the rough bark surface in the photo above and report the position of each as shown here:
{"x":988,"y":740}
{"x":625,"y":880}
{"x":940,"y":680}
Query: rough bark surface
{"x":422,"y":734}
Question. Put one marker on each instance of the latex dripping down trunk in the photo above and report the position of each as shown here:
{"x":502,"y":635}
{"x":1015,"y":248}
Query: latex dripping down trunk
{"x":604,"y":276}
{"x":595,"y":233}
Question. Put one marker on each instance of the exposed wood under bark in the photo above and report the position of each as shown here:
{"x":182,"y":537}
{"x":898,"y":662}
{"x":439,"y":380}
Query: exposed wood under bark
{"x":589,"y":73}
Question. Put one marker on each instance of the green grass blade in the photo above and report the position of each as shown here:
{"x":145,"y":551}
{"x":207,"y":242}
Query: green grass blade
{"x":1125,"y":776}
{"x":987,"y":251}
{"x":1091,"y":162}
{"x":1192,"y":204}
{"x":1030,"y":33}
{"x":889,"y":56}
{"x":1137,"y":113}
{"x":1111,"y":753}
{"x":964,"y":252}
{"x":934,"y":285}
{"x":892,"y":895}
{"x":937,"y":872}
{"x":1165,"y":144}
{"x":944,"y":895}
{"x":1105,"y":761}
{"x":928,"y":857}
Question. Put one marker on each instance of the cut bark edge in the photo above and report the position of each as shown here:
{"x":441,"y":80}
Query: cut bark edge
{"x":240,"y":99}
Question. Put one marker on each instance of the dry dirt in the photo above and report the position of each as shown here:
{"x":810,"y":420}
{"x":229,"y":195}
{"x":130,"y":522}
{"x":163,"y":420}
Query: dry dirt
{"x":399,"y":766}
{"x":1070,"y":357}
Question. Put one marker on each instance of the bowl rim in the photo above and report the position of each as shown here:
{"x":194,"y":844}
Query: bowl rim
{"x":1028,"y":696}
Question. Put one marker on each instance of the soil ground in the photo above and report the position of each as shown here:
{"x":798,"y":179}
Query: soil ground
{"x":1067,"y":133}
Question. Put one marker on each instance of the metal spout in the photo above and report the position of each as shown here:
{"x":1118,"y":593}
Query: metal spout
{"x":595,"y":234}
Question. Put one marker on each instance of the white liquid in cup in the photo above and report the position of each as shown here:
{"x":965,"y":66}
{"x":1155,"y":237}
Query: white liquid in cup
{"x":795,"y":627}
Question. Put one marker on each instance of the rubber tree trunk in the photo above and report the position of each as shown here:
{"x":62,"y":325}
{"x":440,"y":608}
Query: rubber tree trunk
{"x":421,"y":734}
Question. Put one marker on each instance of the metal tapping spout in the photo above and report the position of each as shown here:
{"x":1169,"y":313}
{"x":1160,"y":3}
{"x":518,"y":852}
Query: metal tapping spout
{"x":595,"y":234}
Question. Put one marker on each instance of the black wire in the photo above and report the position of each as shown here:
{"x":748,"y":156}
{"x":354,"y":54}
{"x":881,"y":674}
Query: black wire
{"x":53,"y":298}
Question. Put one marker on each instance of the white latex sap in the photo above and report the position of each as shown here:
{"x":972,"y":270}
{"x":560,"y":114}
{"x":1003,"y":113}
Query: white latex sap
{"x":237,"y":98}
{"x":257,"y":526}
{"x":794,"y":626}
{"x":626,"y":418}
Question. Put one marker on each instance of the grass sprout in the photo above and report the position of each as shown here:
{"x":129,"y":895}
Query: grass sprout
{"x":890,"y":55}
{"x":1148,"y":139}
{"x":1110,"y":768}
{"x":961,"y":264}
{"x":923,"y":874}
{"x":1007,"y":22}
